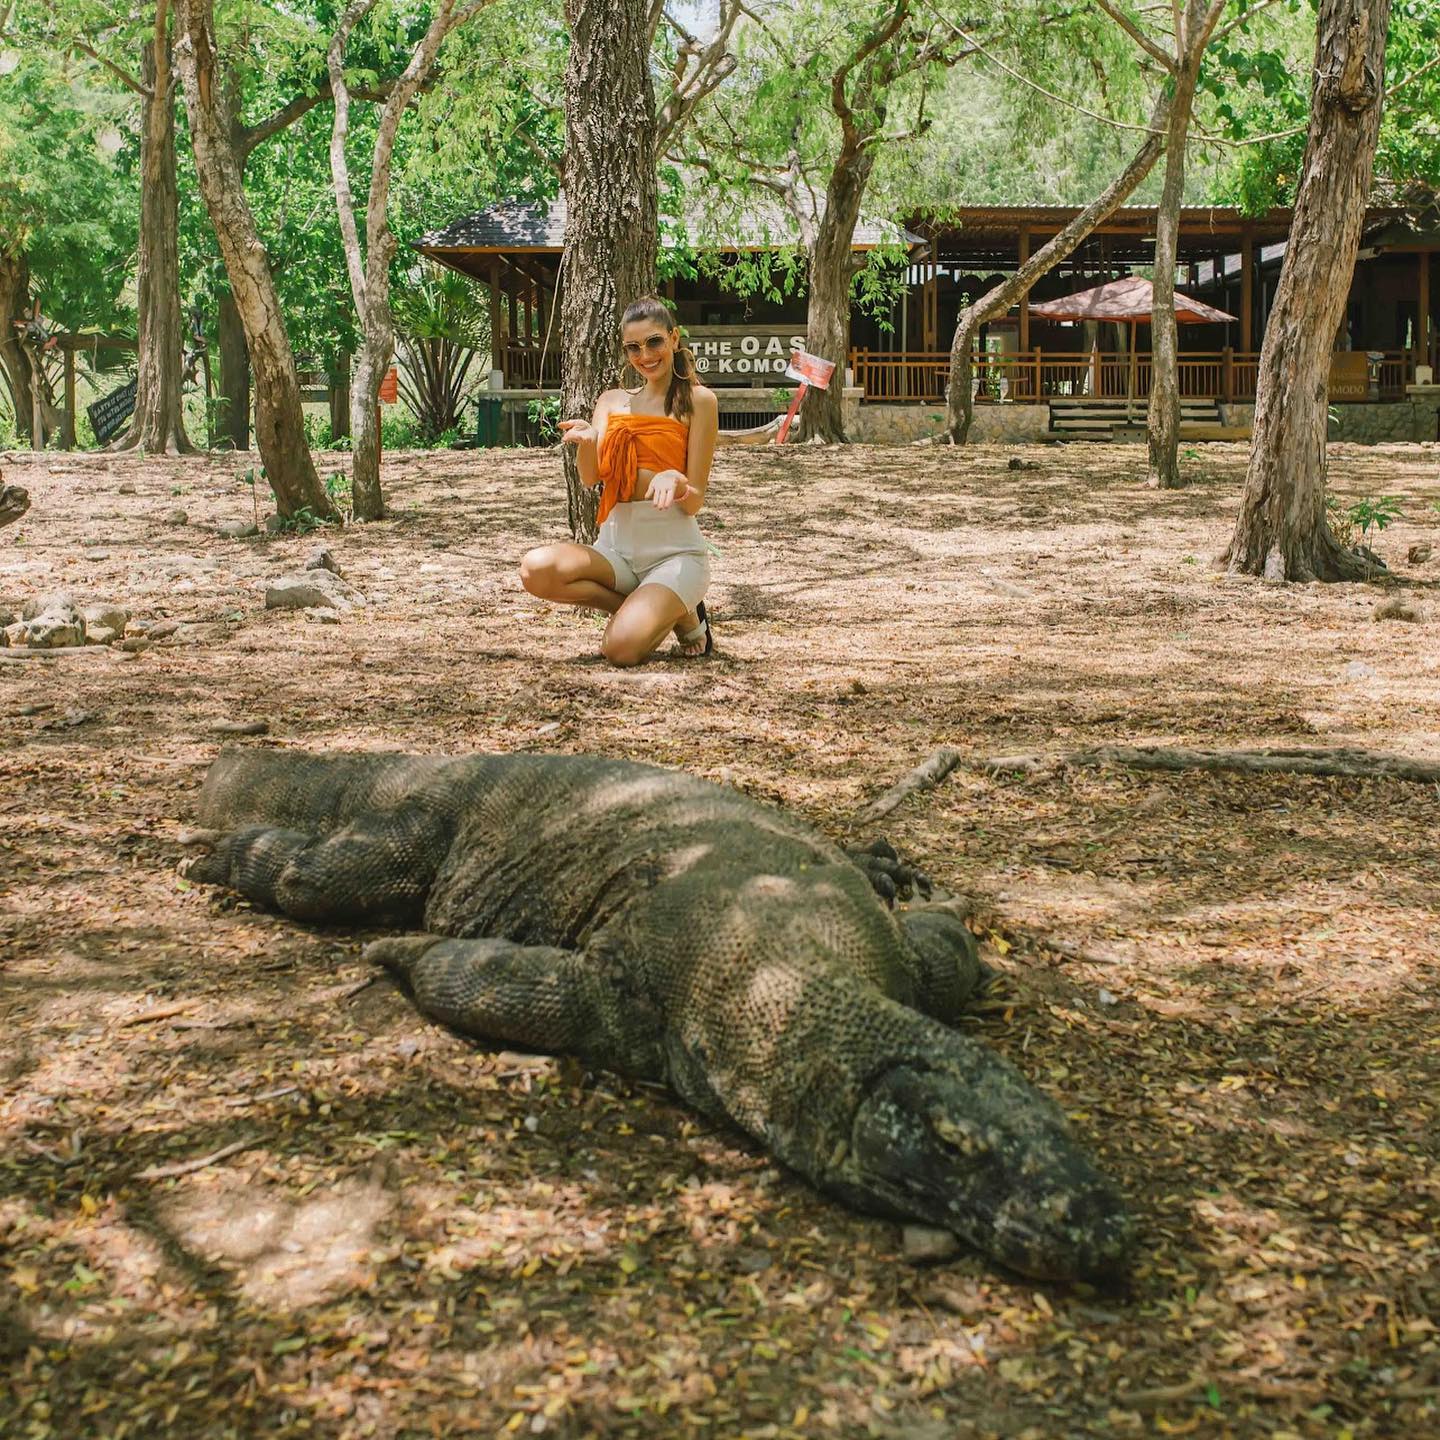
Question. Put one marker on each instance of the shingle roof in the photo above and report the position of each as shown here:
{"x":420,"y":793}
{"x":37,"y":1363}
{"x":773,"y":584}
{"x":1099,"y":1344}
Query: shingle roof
{"x":540,"y":225}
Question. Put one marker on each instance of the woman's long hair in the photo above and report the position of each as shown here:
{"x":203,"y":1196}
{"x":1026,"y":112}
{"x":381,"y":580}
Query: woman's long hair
{"x":682,"y":374}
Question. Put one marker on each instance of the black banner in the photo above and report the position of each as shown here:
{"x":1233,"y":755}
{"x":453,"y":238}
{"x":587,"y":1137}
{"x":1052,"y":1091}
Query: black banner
{"x":111,"y":411}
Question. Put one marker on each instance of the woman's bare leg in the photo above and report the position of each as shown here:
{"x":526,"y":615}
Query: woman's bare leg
{"x":571,"y":574}
{"x":641,"y":623}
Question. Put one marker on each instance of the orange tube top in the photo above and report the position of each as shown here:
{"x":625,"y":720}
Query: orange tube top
{"x":634,"y":443}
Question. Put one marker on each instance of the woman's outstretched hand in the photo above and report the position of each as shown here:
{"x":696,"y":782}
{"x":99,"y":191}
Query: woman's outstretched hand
{"x":667,"y":487}
{"x":576,"y":432}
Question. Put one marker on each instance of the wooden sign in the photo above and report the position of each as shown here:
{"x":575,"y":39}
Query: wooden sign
{"x":810,"y":369}
{"x":1350,"y":375}
{"x":743,"y":354}
{"x":390,"y":386}
{"x":111,"y":411}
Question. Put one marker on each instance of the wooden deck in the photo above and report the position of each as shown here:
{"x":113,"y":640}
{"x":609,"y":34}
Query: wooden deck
{"x":1034,"y":377}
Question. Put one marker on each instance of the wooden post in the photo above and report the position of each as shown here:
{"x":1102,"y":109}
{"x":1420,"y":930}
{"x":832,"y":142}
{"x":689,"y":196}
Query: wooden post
{"x":1227,"y":375}
{"x":1024,"y":252}
{"x":1247,"y":293}
{"x":340,"y":396}
{"x":1422,"y":327}
{"x":1038,"y":397}
{"x":67,"y":422}
{"x":497,"y":339}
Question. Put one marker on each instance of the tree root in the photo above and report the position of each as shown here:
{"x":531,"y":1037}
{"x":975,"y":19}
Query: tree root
{"x":1359,"y":764}
{"x":14,"y":502}
{"x":925,"y":775}
{"x":1366,"y":764}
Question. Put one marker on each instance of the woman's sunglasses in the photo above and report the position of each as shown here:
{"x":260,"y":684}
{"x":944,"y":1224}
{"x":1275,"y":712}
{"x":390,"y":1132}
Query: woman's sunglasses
{"x":653,"y":345}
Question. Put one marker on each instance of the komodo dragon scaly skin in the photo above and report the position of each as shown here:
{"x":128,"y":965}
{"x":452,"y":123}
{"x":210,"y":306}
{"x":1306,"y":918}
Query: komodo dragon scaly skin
{"x":673,"y":930}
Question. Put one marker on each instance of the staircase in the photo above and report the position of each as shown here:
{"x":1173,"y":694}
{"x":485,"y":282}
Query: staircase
{"x":1083,"y":418}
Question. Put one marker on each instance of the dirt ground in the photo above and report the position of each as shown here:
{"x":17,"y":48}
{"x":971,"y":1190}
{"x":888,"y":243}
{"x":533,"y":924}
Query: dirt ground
{"x":408,"y":1236}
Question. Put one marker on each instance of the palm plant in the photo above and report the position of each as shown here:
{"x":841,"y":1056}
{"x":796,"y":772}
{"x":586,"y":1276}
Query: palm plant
{"x":440,"y":327}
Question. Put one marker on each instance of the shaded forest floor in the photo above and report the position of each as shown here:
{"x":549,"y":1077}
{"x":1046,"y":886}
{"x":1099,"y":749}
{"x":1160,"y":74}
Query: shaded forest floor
{"x":417,"y":1237}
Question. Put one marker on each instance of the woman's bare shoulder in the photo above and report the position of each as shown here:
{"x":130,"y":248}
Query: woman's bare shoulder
{"x":613,"y":400}
{"x":701,"y":397}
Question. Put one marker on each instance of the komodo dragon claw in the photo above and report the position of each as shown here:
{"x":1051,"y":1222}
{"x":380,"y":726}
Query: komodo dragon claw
{"x":890,"y":877}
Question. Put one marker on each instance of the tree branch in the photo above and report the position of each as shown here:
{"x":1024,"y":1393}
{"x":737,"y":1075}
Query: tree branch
{"x":339,"y":165}
{"x":1138,"y":35}
{"x":1240,"y":20}
{"x":124,"y":76}
{"x":839,"y":102}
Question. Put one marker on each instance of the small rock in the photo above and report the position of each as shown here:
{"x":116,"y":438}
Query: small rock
{"x":924,"y":1244}
{"x":126,"y":489}
{"x":7,"y":617}
{"x":750,"y":1261}
{"x":65,"y":721}
{"x":1358,"y":670}
{"x":1016,"y":463}
{"x":311,"y":589}
{"x":37,"y":709}
{"x":100,"y":635}
{"x":106,"y":617}
{"x":176,"y":517}
{"x":273,"y":524}
{"x":163,"y":629}
{"x":1396,"y":609}
{"x":240,"y":727}
{"x":323,"y":616}
{"x":1105,"y":997}
{"x":134,"y":644}
{"x":236,"y":529}
{"x":136,"y":627}
{"x":50,"y":623}
{"x":96,"y":555}
{"x":321,"y":559}
{"x":1419,"y":554}
{"x":58,"y":601}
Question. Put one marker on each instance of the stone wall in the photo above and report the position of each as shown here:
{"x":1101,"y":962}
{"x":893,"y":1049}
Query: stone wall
{"x":1384,"y":423}
{"x":900,"y":424}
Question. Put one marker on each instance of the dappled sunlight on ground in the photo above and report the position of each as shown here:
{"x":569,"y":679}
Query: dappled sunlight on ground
{"x":240,"y":1195}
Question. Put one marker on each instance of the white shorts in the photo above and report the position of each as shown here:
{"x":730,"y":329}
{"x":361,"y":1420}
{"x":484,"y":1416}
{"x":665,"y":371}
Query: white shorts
{"x":646,"y":546}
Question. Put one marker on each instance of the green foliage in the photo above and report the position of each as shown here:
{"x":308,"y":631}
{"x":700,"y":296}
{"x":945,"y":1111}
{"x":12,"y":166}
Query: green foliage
{"x":66,"y":204}
{"x":1352,"y":524}
{"x":300,"y":522}
{"x":1373,"y":514}
{"x":399,"y":430}
{"x":544,"y":414}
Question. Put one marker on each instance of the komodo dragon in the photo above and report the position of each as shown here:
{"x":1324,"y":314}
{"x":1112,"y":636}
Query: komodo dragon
{"x":674,"y":930}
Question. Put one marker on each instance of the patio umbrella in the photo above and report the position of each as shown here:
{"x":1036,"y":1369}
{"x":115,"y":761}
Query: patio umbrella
{"x":1126,"y":302}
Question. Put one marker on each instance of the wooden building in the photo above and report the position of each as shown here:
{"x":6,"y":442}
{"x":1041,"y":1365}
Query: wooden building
{"x":1226,"y":258}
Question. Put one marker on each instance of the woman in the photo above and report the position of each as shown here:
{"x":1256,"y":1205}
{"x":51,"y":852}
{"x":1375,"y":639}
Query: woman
{"x":651,"y":450}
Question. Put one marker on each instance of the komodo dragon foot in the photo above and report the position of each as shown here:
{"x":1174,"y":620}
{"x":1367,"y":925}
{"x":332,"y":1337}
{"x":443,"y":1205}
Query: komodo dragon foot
{"x":890,"y":877}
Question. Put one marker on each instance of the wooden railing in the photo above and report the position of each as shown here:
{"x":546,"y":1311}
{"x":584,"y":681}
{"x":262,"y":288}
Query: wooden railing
{"x":1034,"y":376}
{"x":524,"y":367}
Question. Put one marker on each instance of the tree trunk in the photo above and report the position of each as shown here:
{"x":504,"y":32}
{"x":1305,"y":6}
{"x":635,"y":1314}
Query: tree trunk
{"x":1281,"y":532}
{"x":611,"y":229}
{"x":340,"y":396}
{"x":234,"y":418}
{"x":279,"y":422}
{"x":1163,"y":418}
{"x":832,"y":269}
{"x":959,"y":403}
{"x":15,"y":305}
{"x":158,"y":425}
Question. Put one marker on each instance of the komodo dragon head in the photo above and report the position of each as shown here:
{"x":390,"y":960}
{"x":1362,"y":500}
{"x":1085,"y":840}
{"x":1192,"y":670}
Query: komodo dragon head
{"x":971,"y":1148}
